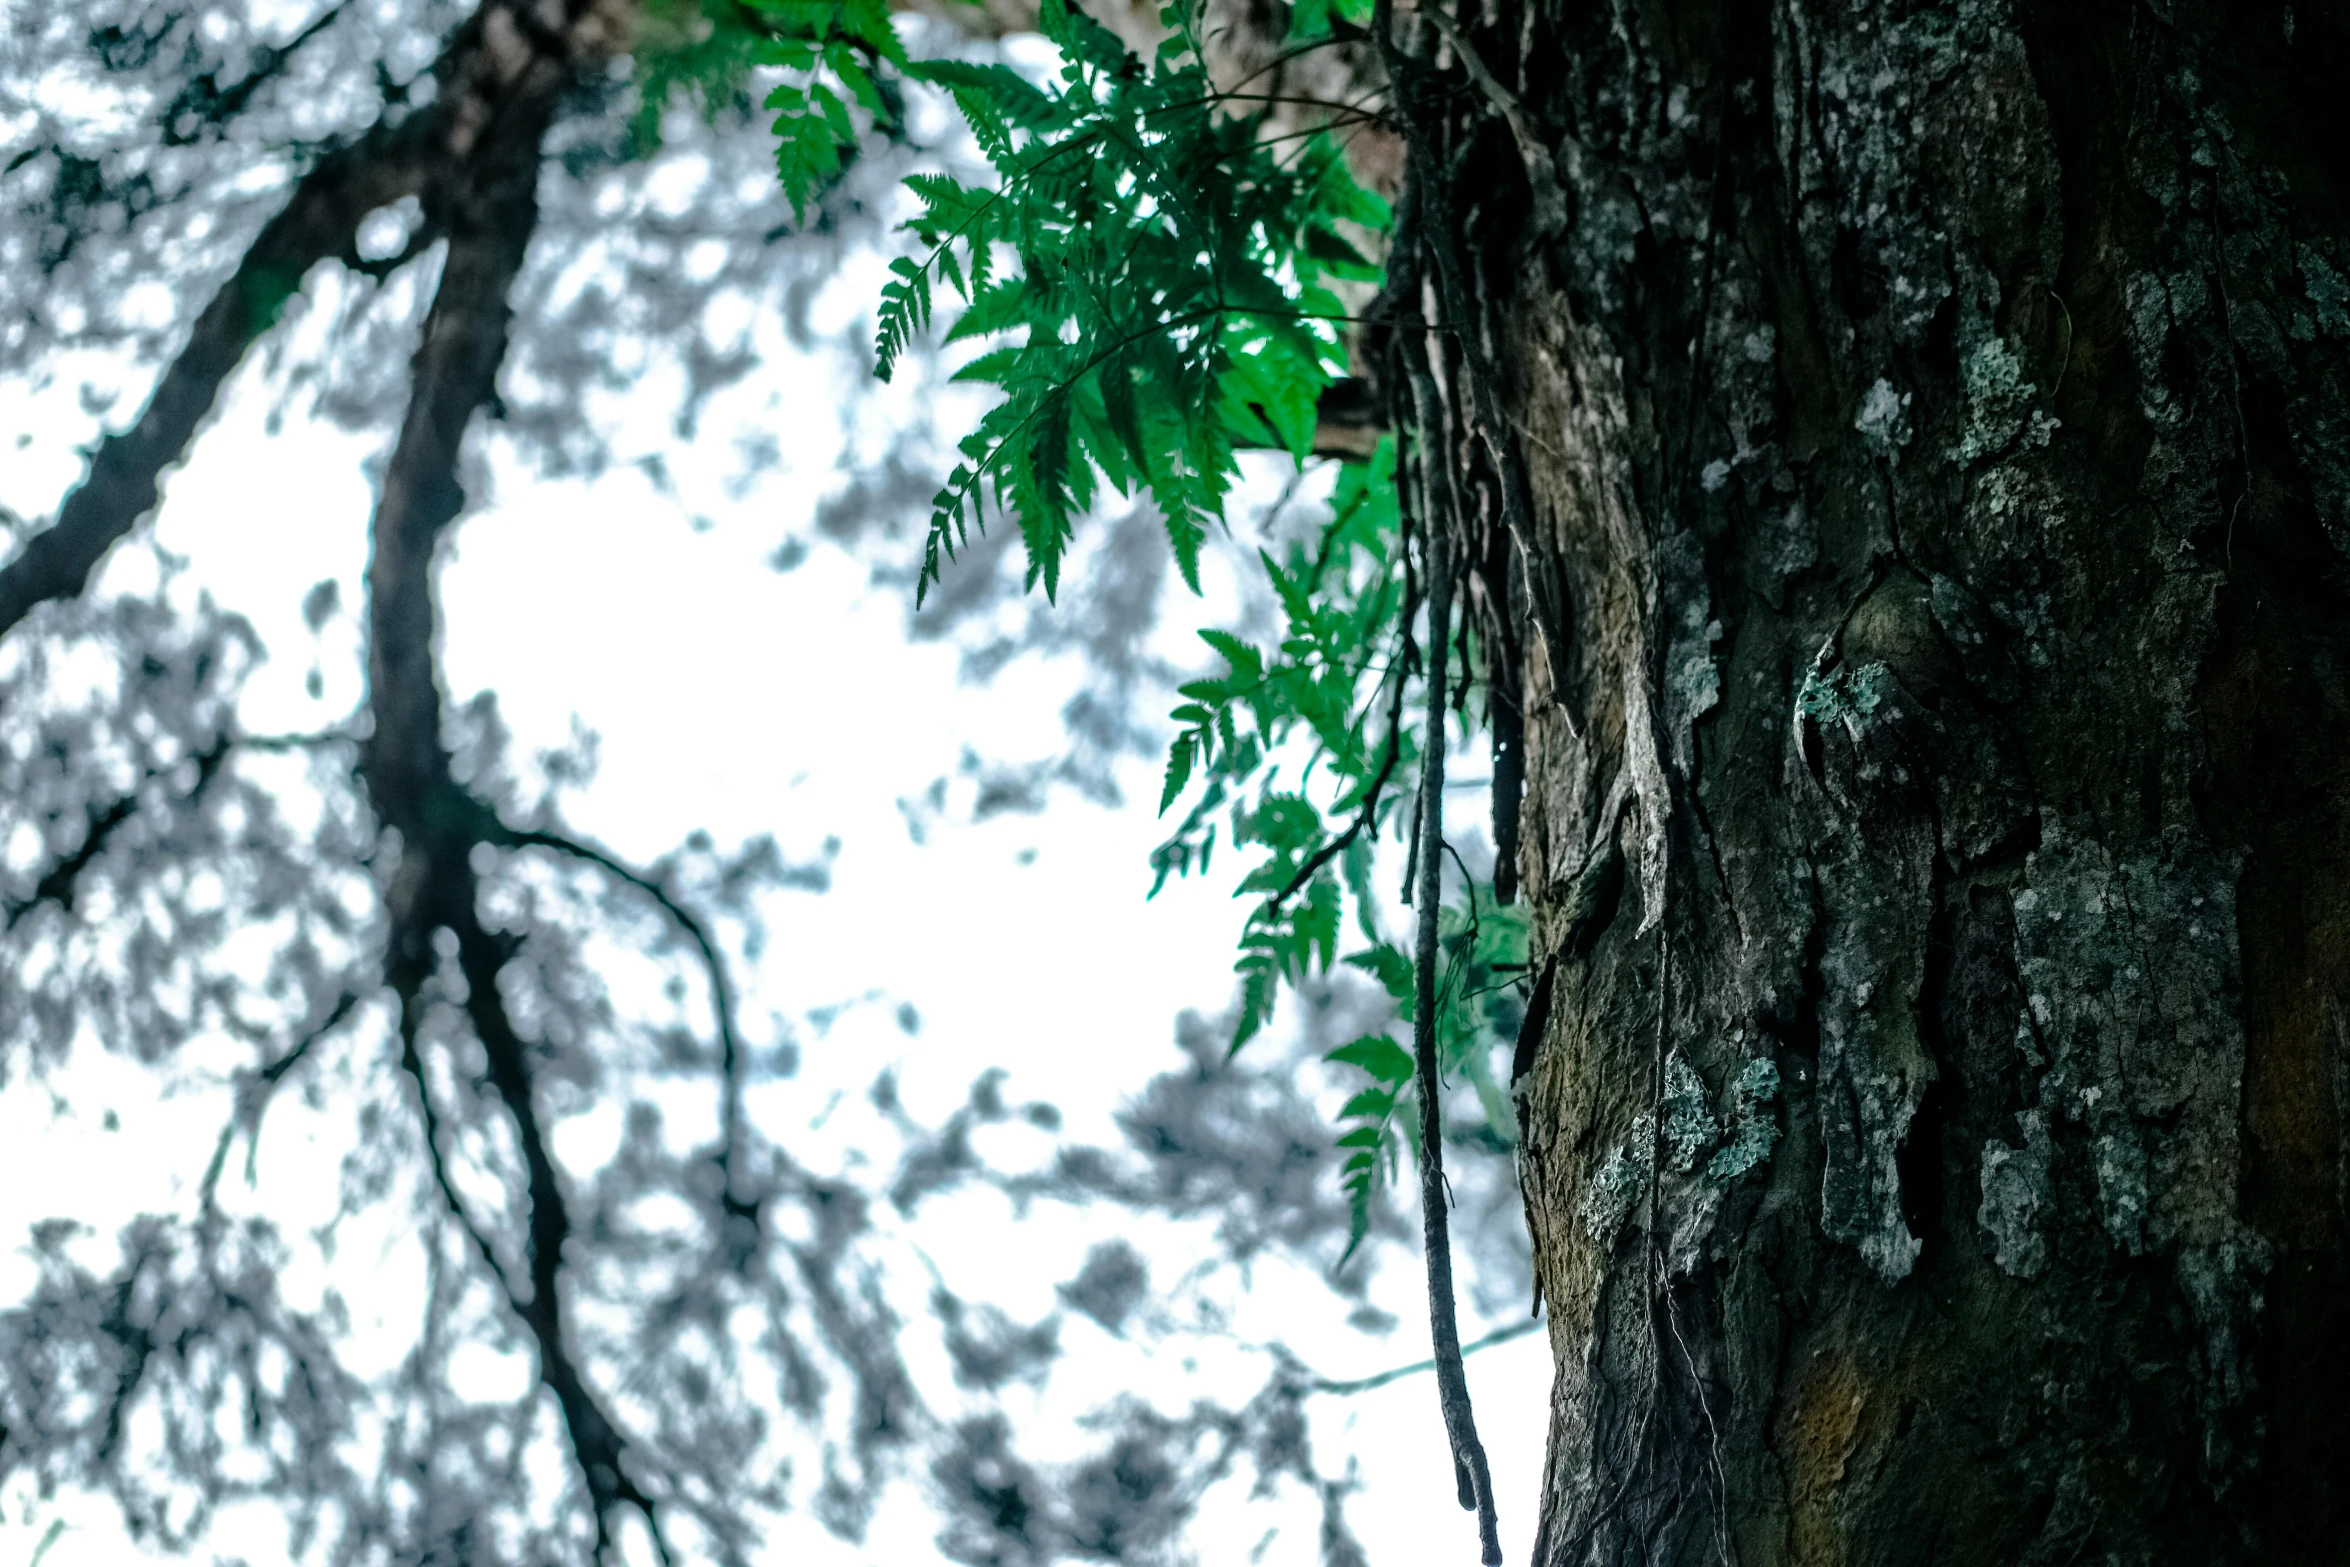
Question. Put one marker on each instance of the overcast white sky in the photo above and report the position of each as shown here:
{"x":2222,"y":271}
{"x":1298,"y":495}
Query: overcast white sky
{"x":734,"y":698}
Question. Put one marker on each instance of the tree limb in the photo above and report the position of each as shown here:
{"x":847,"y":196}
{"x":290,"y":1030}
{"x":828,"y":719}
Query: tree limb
{"x":490,"y":212}
{"x":317,"y":224}
{"x":499,"y":64}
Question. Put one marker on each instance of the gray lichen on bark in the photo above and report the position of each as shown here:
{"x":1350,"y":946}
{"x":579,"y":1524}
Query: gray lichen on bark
{"x":1940,"y":417}
{"x":2015,"y":1193}
{"x":1873,"y":865}
{"x":2131,"y":989}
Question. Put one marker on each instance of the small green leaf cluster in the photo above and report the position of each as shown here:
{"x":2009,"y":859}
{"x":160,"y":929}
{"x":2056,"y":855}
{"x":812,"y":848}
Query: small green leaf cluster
{"x":1328,"y":698}
{"x":831,"y":55}
{"x":704,"y":50}
{"x":1482,"y":950}
{"x":831,"y":52}
{"x":1157,"y":277}
{"x":1329,"y":701}
{"x":1313,"y":18}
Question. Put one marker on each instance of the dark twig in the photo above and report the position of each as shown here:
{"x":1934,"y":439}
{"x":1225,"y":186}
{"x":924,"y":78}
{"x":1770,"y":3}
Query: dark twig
{"x":721,"y":990}
{"x":216,"y":105}
{"x":1515,"y":1330}
{"x":594,"y":1437}
{"x":412,"y":1062}
{"x":60,"y":882}
{"x":253,"y":1095}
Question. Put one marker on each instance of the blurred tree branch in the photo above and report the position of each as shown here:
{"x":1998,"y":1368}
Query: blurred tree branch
{"x":489,"y":209}
{"x":503,"y":69}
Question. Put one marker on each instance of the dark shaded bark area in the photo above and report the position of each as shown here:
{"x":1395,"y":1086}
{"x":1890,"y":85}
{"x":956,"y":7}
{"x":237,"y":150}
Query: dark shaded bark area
{"x":1936,"y":421}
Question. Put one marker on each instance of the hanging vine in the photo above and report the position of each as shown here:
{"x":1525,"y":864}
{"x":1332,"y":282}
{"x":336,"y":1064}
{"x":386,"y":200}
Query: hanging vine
{"x":1158,"y":274}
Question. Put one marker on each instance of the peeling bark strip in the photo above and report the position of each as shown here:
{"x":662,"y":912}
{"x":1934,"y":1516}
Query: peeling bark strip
{"x":1936,"y":417}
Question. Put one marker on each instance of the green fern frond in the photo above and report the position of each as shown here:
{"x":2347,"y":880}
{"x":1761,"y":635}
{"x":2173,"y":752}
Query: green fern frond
{"x":1147,"y":319}
{"x":1151,"y":286}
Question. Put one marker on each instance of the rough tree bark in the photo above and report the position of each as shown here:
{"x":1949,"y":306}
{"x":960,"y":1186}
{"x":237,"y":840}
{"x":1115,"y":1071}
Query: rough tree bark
{"x":1935,"y":421}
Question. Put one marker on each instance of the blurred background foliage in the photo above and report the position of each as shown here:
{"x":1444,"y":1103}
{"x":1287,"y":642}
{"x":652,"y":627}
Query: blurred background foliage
{"x":742,"y":1195}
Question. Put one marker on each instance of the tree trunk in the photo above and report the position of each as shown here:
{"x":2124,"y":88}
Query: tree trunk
{"x":1936,"y":428}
